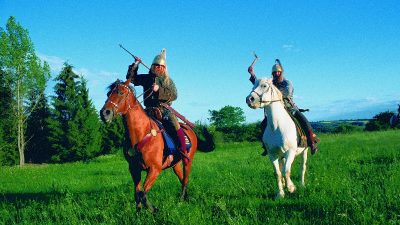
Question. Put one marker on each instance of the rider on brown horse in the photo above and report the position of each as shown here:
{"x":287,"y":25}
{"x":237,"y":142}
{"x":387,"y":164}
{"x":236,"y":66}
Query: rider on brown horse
{"x":286,"y":87}
{"x":158,"y":88}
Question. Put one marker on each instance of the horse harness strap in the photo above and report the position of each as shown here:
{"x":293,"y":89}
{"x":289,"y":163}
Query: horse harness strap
{"x":129,"y":92}
{"x":147,"y":138}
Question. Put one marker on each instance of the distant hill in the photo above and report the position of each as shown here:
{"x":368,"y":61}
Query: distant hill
{"x":332,"y":126}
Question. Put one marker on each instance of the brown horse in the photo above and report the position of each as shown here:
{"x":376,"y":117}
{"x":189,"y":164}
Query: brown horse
{"x":147,"y":141}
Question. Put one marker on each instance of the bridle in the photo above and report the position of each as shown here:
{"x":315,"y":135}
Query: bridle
{"x":116,"y":106}
{"x":137,"y":103}
{"x":261,"y":95}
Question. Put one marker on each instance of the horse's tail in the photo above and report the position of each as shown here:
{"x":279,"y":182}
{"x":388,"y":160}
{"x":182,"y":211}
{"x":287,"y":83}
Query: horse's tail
{"x":205,"y":139}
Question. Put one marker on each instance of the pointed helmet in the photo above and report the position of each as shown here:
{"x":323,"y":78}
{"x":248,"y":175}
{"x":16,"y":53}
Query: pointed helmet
{"x":161,"y":58}
{"x":277,"y":66}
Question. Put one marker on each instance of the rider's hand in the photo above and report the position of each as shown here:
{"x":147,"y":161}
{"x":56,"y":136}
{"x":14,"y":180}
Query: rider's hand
{"x":155,"y":87}
{"x":137,"y":60}
{"x":250,"y":70}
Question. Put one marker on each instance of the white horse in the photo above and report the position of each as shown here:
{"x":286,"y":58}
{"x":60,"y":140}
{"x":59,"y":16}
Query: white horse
{"x":280,"y":135}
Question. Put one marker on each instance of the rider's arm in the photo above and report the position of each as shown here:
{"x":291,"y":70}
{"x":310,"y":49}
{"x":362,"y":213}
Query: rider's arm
{"x":253,"y":77}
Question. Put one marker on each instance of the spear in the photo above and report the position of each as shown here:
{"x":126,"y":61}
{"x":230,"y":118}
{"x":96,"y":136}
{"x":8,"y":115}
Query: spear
{"x":133,"y":56}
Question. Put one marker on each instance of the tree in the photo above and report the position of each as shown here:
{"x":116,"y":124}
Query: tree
{"x":88,"y":132}
{"x":379,"y":122}
{"x":38,"y":148}
{"x":8,"y":147}
{"x":113,"y":135}
{"x":24,"y":72}
{"x":63,"y":107}
{"x":228,"y":116}
{"x":74,"y":124}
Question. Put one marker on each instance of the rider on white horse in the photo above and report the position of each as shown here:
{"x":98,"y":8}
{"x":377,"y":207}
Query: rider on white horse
{"x":286,"y":87}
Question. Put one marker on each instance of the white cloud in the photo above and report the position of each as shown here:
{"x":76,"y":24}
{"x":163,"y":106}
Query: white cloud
{"x":56,"y":63}
{"x":290,"y":47}
{"x":98,"y":80}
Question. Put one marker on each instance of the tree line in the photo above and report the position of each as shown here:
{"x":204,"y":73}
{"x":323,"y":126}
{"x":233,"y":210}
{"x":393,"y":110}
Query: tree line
{"x":65,"y":126}
{"x":42,"y":129}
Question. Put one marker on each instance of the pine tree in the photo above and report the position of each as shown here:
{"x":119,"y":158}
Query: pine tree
{"x":63,"y":110}
{"x":38,"y":146}
{"x":75,"y":126}
{"x":89,"y":134}
{"x":113,"y":136}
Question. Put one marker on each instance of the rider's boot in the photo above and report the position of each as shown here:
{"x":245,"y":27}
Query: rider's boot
{"x":312,"y":141}
{"x":265,"y":152}
{"x":182,"y":142}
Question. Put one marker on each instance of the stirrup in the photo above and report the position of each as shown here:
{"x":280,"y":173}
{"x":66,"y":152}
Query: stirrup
{"x":185,"y":155}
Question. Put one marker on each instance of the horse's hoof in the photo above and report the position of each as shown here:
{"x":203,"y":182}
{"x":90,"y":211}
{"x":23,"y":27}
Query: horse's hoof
{"x":280,"y":195}
{"x":154,"y":210}
{"x":291,"y":189}
{"x":184,"y":197}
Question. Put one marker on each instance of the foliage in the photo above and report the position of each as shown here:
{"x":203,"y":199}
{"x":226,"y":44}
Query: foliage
{"x":247,"y":132}
{"x":38,"y":149}
{"x":74,"y":124}
{"x":227,"y":116}
{"x":8,"y":137}
{"x":339,"y":126}
{"x":232,"y":185}
{"x":379,"y":122}
{"x":347,"y":128}
{"x":24,"y":73}
{"x":113,"y":135}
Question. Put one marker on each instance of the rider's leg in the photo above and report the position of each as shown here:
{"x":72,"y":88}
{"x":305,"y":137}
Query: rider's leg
{"x":311,"y":137}
{"x":181,"y":136}
{"x":263,"y":125}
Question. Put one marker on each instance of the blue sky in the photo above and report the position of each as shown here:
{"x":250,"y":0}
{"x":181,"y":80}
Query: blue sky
{"x":343,"y":57}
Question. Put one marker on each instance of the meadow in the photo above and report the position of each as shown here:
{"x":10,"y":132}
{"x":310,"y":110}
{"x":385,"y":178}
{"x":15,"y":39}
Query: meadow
{"x":353,"y":179}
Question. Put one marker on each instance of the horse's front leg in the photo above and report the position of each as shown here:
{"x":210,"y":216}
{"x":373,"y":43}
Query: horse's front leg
{"x":151,"y":177}
{"x":275,"y":162}
{"x":135,"y":170}
{"x":287,"y":170}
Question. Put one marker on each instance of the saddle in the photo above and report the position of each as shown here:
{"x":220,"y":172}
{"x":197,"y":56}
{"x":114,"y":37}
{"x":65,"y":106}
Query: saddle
{"x":301,"y":135}
{"x":171,"y":142}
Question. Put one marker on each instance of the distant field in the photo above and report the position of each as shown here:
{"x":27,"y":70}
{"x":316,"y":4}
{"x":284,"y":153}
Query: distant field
{"x":353,"y":179}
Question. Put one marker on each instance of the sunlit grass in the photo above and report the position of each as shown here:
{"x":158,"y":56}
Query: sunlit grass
{"x":353,"y":179}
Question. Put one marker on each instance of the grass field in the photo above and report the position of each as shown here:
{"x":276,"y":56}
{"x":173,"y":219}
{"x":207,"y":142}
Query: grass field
{"x":353,"y":179}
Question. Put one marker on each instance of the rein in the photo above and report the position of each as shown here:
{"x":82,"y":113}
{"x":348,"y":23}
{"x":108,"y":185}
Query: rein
{"x":130,"y":92}
{"x":124,"y":99}
{"x":152,"y":132}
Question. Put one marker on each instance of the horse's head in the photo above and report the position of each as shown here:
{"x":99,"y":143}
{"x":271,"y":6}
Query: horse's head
{"x":263,"y":93}
{"x":120,"y":99}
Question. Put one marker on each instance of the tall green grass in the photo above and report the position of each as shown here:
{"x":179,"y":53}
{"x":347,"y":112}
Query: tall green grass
{"x":353,"y":179}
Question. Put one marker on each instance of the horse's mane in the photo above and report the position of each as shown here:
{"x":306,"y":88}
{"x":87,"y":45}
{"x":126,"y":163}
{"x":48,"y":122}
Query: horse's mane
{"x":114,"y":84}
{"x":274,"y":88}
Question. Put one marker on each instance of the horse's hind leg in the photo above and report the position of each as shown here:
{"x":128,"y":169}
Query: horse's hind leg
{"x":187,"y":165}
{"x":304,"y":167}
{"x":179,"y":173}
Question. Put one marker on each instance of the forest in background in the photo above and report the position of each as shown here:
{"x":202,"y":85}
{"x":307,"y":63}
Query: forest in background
{"x":65,"y":126}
